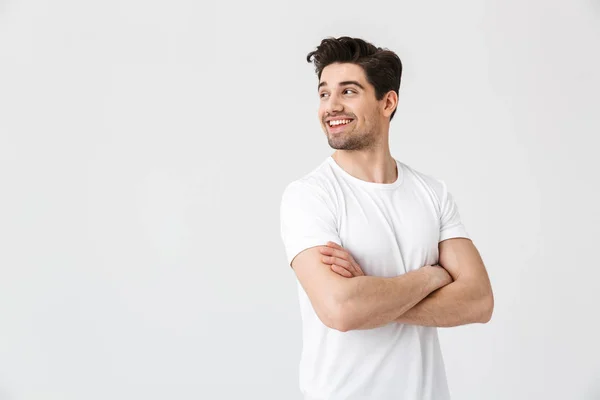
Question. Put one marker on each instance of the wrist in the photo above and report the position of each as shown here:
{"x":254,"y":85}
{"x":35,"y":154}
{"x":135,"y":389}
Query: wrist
{"x":439,"y":277}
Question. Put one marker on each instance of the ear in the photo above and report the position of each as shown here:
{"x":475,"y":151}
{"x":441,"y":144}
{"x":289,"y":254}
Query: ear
{"x":389,"y":103}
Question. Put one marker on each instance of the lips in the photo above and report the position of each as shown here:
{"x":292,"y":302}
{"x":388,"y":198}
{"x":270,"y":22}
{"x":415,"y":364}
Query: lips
{"x":337,"y":120}
{"x":339,"y":126}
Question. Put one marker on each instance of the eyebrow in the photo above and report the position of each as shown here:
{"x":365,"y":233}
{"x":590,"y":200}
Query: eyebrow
{"x":344,"y":83}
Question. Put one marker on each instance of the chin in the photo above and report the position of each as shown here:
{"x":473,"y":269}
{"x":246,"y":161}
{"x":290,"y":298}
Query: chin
{"x":337,"y":144}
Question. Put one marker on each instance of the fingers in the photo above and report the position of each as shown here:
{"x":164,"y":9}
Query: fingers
{"x":358,"y":270}
{"x":337,"y":264}
{"x":338,"y":261}
{"x":342,"y":271}
{"x":335,"y":253}
{"x":343,"y":257}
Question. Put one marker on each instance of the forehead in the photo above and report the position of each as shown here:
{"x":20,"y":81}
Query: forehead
{"x":342,"y":72}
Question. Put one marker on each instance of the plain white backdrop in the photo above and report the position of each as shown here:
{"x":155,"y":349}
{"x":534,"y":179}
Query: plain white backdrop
{"x":145,"y":145}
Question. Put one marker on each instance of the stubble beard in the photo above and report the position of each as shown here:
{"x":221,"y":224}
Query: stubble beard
{"x":350,"y":140}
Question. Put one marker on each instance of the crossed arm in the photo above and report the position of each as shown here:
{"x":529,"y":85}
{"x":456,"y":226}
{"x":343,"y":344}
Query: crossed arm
{"x":456,"y":292}
{"x":468,"y":299}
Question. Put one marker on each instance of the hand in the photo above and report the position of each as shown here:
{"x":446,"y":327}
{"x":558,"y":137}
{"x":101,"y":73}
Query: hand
{"x":341,"y":260}
{"x":441,"y":275}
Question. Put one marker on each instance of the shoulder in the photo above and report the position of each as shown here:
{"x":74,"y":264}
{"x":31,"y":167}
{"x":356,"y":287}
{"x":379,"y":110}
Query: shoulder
{"x":430,"y":182}
{"x":319,"y":183}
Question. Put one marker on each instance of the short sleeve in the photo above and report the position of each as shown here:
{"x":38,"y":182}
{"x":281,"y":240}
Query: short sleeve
{"x":451,"y":225}
{"x":307,"y":219}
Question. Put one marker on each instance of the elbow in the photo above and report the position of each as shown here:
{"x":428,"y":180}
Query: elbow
{"x":487,"y":308}
{"x":338,"y":316}
{"x":343,"y":322}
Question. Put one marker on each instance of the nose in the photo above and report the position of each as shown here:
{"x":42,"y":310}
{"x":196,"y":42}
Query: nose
{"x":333,"y":105}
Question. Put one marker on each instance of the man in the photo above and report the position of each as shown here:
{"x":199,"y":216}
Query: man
{"x":379,"y":250}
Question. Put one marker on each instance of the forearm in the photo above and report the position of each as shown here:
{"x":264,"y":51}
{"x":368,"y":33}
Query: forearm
{"x":370,"y":302}
{"x":457,"y":303}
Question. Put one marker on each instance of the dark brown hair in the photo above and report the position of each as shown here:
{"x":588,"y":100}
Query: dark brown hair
{"x":382,"y":67}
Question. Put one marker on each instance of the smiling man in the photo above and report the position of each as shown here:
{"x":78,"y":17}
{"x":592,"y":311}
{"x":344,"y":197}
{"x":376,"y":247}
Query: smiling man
{"x":379,"y":250}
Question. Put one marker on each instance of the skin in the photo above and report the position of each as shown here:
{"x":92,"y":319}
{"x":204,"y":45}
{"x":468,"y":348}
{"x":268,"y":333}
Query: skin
{"x":362,"y":147}
{"x":466,"y":298}
{"x":362,"y":150}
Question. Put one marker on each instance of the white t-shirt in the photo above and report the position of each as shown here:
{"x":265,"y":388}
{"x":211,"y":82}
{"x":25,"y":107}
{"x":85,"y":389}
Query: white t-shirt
{"x":389,"y":229}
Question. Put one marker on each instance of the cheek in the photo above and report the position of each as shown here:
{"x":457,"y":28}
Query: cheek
{"x":320,"y":115}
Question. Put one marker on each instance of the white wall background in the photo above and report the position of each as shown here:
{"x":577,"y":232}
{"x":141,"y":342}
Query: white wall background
{"x":144,"y":147}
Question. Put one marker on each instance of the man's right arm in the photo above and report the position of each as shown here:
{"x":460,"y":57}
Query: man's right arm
{"x":362,"y":302}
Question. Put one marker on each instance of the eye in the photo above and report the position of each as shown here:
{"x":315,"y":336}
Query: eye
{"x":349,"y":90}
{"x":321,"y":95}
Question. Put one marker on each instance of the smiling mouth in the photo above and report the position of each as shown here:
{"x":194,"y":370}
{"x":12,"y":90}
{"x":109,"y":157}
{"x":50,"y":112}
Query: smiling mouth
{"x":339,"y":122}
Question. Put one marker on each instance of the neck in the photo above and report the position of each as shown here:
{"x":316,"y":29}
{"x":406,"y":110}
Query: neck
{"x":373,"y":165}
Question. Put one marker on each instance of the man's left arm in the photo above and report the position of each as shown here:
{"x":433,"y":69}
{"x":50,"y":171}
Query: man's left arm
{"x":468,"y":299}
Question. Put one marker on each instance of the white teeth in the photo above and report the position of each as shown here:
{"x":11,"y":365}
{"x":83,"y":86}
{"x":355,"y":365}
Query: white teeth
{"x":339,"y":122}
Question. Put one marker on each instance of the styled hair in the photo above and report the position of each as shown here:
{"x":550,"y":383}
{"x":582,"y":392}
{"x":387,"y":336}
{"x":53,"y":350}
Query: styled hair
{"x":382,"y":67}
